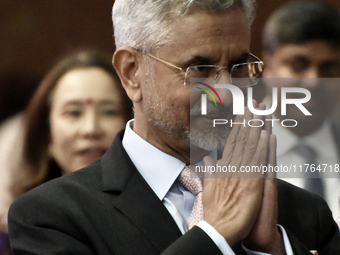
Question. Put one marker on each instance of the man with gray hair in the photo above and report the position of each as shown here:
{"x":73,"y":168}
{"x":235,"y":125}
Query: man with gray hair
{"x":142,"y":197}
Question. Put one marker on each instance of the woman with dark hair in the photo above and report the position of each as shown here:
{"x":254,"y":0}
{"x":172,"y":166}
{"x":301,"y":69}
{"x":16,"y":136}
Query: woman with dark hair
{"x":80,"y":97}
{"x":71,"y":120}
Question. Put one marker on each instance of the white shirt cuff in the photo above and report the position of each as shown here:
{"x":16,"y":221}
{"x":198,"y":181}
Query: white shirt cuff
{"x":286,"y":243}
{"x":218,"y":239}
{"x":224,"y":247}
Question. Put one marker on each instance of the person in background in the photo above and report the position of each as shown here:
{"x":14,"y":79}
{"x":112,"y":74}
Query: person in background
{"x":140,"y":198}
{"x":72,"y":118}
{"x":302,"y":40}
{"x":70,"y":122}
{"x":11,"y":137}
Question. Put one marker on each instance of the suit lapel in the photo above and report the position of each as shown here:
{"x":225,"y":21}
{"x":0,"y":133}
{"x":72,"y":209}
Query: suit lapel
{"x":136,"y":200}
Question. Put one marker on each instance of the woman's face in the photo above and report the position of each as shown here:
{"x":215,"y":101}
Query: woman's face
{"x":85,"y":116}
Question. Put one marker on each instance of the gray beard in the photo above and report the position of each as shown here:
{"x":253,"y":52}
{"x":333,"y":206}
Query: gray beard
{"x":209,"y":139}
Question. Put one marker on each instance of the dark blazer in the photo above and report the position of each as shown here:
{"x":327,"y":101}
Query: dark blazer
{"x":108,"y":208}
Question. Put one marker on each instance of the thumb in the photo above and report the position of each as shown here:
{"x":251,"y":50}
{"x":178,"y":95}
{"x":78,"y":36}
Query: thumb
{"x":208,"y":161}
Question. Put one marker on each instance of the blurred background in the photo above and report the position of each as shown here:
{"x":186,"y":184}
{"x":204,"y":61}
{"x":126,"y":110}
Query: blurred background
{"x":34,"y":34}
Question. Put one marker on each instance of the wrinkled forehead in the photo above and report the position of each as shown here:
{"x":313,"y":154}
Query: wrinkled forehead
{"x":228,"y":27}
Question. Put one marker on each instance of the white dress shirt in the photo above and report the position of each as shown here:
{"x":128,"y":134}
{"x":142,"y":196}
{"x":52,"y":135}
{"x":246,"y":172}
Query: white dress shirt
{"x":322,"y":142}
{"x":160,"y":171}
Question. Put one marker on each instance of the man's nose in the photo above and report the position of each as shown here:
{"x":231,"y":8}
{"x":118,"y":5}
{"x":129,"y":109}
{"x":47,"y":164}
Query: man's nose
{"x":312,"y":72}
{"x":311,"y":78}
{"x":223,"y":76}
{"x":224,"y":95}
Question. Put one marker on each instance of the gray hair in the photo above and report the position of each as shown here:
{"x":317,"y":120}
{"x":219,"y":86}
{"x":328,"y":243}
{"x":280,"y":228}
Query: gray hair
{"x":146,"y":24}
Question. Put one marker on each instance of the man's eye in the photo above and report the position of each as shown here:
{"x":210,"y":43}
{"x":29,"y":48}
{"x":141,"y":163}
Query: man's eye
{"x":330,"y":70}
{"x":299,"y":65}
{"x":201,"y":68}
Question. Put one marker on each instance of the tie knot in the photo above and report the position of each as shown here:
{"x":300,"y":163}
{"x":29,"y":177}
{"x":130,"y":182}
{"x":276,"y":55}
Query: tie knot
{"x":189,"y":179}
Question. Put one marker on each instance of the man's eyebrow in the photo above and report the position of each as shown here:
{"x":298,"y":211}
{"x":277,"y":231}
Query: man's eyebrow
{"x":199,"y":59}
{"x":243,"y":58}
{"x":204,"y":60}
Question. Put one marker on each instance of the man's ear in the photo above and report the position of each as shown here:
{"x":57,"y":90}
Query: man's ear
{"x":126,"y":62}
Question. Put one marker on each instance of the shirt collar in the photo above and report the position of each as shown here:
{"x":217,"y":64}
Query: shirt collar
{"x":160,"y":170}
{"x":323,"y":142}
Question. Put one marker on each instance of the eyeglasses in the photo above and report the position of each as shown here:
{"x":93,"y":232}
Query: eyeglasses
{"x":241,"y":75}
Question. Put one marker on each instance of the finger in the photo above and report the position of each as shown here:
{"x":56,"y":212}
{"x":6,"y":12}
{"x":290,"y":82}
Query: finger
{"x":269,"y":203}
{"x":208,"y":161}
{"x":261,"y":154}
{"x":255,"y":104}
{"x":241,"y":139}
{"x":253,"y":138}
{"x":231,"y":142}
{"x":256,"y":125}
{"x":272,"y":155}
{"x":251,"y":147}
{"x":268,"y":123}
{"x":265,"y":228}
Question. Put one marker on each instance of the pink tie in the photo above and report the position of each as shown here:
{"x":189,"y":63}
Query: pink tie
{"x":189,"y":179}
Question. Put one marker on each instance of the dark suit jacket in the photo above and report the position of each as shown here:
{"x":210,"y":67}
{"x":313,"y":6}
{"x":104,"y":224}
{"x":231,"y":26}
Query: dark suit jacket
{"x":108,"y":208}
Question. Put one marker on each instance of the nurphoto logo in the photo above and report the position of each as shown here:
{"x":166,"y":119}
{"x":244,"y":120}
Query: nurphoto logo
{"x":239,"y":103}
